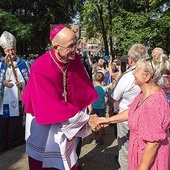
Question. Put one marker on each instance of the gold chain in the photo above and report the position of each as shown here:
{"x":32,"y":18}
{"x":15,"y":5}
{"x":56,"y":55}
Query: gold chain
{"x":64,"y":77}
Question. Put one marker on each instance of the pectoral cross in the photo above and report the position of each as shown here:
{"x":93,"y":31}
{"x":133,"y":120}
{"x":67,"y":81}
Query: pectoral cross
{"x":64,"y":78}
{"x":64,"y":85}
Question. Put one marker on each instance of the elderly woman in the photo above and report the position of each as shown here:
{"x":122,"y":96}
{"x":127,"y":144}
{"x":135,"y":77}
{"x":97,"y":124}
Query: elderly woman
{"x":148,"y":119}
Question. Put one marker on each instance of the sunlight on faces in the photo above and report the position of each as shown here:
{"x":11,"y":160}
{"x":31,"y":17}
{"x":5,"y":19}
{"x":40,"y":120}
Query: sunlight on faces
{"x":157,"y":52}
{"x":10,"y":50}
{"x":65,"y":44}
{"x":140,"y":74}
{"x":154,"y":53}
{"x":71,"y":50}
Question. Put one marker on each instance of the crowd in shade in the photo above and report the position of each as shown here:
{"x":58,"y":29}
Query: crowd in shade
{"x":47,"y":101}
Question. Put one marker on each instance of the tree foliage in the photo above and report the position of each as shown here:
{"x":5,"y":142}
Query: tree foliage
{"x":18,"y":27}
{"x":119,"y":23}
{"x":137,"y":21}
{"x":30,"y":20}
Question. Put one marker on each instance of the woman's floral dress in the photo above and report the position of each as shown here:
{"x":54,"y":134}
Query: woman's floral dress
{"x":149,"y":123}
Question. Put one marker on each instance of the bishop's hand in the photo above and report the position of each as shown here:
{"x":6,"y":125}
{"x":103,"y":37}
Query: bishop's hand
{"x":94,"y":123}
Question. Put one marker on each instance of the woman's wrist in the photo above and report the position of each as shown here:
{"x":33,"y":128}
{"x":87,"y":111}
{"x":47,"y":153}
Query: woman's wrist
{"x":111,"y":120}
{"x":108,"y":120}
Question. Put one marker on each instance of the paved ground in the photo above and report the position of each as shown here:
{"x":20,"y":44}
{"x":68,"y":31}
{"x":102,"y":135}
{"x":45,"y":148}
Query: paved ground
{"x":100,"y":157}
{"x":93,"y":157}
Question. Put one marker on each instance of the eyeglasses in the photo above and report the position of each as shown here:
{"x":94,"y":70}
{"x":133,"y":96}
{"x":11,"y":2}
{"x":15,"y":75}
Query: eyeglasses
{"x":69,"y":47}
{"x":150,"y":60}
{"x":9,"y":50}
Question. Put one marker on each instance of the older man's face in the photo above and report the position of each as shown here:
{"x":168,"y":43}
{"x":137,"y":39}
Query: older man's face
{"x":66,"y":44}
{"x":69,"y":50}
{"x":10,"y":50}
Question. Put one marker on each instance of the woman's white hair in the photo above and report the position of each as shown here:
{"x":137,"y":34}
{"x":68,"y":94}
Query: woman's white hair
{"x":156,"y":67}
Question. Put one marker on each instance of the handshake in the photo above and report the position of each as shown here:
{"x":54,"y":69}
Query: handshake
{"x":96,"y":123}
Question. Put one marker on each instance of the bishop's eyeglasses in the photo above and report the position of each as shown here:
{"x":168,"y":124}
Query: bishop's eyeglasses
{"x":69,"y":47}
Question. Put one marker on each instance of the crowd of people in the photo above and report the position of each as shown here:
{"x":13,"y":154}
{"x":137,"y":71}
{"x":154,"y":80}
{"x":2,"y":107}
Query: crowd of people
{"x":62,"y":91}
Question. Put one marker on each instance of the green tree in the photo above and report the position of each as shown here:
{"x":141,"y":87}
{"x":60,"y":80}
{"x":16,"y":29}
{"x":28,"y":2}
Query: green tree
{"x":36,"y":17}
{"x":137,"y":21}
{"x":95,"y":18}
{"x":19,"y":29}
{"x":140,"y":22}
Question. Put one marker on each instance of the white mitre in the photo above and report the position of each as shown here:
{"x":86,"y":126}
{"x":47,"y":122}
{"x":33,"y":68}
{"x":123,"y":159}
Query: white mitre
{"x":7,"y":39}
